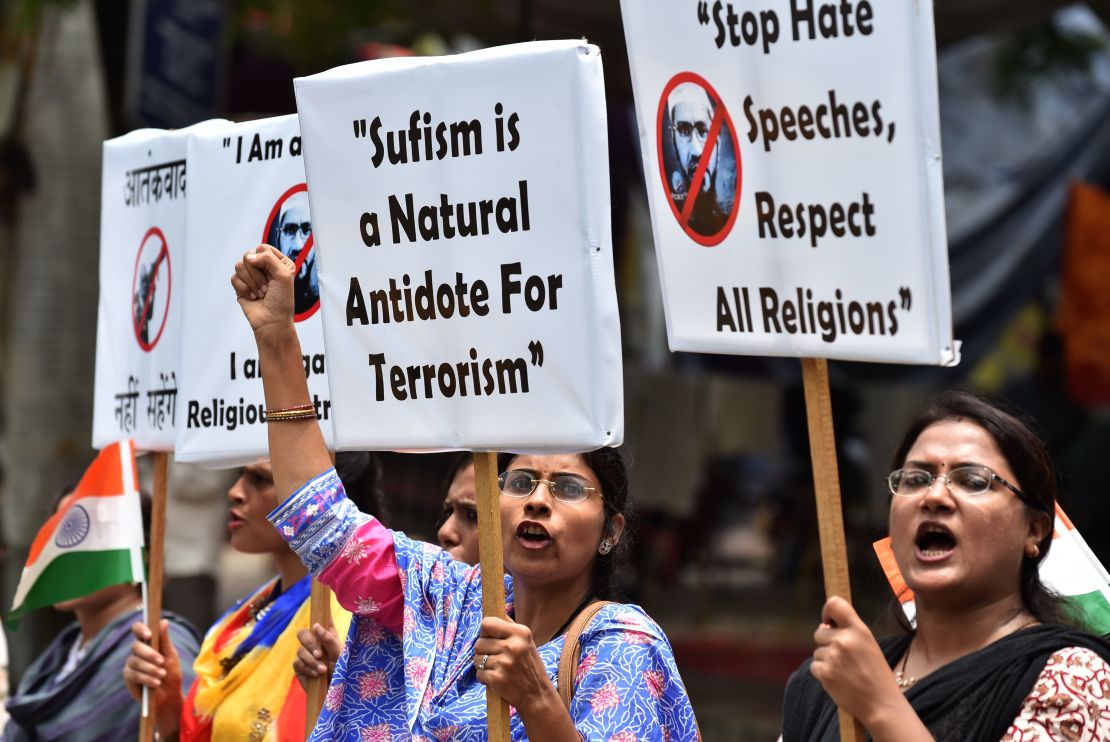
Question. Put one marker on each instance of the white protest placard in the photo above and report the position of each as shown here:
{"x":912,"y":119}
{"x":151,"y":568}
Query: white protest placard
{"x":142,"y":234}
{"x":246,"y":186}
{"x":461,"y":211}
{"x":792,"y":158}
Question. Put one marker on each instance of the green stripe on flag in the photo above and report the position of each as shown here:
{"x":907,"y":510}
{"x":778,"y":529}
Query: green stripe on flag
{"x":1092,"y":611}
{"x":74,"y":575}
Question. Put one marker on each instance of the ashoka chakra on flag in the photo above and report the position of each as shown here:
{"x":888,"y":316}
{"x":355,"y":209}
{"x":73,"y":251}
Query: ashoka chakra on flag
{"x":95,"y":539}
{"x":74,"y":528}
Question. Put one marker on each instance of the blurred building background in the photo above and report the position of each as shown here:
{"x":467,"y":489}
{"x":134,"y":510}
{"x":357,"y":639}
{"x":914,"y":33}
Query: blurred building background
{"x":727,"y":555}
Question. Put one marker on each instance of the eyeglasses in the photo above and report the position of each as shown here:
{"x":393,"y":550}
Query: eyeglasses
{"x":686,"y":130}
{"x":291,"y":229}
{"x":564,"y":487}
{"x":963,"y":480}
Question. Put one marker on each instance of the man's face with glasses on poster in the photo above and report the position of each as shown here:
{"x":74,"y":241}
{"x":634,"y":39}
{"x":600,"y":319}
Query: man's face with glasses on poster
{"x":294,"y":235}
{"x":294,"y":230}
{"x":691,"y":117}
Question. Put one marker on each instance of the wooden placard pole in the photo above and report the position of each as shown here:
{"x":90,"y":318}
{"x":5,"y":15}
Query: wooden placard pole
{"x":154,"y":581}
{"x":319,"y":611}
{"x":493,"y":567}
{"x":826,"y":485}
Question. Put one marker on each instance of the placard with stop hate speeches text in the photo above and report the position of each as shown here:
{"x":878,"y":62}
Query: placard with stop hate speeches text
{"x":142,"y":235}
{"x":461,"y":213}
{"x":247,"y":186}
{"x":793,"y":166}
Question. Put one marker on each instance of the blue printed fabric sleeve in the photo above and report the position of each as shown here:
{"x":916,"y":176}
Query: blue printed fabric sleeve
{"x":628,"y":688}
{"x":317,"y":520}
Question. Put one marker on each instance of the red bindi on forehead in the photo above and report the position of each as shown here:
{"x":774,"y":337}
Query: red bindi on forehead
{"x":951,"y":443}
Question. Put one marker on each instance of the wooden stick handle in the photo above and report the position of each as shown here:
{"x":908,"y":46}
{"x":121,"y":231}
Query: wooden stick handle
{"x":826,"y":484}
{"x":154,"y":583}
{"x":493,"y":567}
{"x":319,"y":613}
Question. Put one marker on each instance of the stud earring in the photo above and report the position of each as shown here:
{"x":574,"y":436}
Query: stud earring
{"x":605,"y":547}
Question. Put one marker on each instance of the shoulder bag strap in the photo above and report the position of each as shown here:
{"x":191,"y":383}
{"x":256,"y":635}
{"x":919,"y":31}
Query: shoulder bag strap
{"x":572,"y":650}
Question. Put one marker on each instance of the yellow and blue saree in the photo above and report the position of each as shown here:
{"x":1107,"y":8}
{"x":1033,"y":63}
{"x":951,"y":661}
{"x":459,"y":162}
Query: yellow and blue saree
{"x":245,"y":687}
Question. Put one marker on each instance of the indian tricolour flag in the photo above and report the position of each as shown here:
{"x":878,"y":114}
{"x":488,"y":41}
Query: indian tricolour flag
{"x":93,"y":541}
{"x":1071,"y":569}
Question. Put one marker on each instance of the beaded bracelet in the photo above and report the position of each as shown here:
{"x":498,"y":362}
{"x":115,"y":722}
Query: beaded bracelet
{"x":291,"y":417}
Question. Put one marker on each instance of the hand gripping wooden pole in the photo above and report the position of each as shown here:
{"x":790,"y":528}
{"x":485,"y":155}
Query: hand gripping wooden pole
{"x":154,"y":581}
{"x":493,"y":567}
{"x":826,"y":484}
{"x":319,"y":613}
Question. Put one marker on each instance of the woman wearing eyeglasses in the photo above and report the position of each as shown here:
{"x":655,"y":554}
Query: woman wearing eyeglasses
{"x":993,"y":656}
{"x":419,"y":656}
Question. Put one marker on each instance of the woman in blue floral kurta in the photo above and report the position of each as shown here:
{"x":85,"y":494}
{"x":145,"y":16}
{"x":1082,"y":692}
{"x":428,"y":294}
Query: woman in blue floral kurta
{"x":419,"y":656}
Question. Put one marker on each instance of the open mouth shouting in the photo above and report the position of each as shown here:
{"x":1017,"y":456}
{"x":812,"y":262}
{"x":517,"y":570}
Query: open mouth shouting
{"x":934,"y":542}
{"x":532,"y":535}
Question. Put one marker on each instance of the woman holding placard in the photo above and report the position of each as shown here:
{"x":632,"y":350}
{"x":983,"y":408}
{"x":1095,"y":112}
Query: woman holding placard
{"x":245,"y":687}
{"x":993,"y":655}
{"x":419,"y":655}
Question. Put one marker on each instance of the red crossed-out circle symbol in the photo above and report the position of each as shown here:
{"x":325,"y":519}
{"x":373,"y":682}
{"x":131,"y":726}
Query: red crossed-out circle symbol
{"x":148,"y":307}
{"x":704,"y":214}
{"x":307,"y":299}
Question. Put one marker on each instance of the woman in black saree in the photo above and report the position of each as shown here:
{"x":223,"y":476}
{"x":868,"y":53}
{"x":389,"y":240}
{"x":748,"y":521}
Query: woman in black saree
{"x":994,"y":655}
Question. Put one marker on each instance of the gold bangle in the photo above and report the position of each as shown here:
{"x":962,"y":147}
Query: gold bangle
{"x":294,"y":408}
{"x":280,"y":417}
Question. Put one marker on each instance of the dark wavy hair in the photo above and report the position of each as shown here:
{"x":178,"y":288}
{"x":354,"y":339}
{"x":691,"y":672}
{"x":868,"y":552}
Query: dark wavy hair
{"x":361,"y":474}
{"x":608,"y":466}
{"x":1028,"y":458}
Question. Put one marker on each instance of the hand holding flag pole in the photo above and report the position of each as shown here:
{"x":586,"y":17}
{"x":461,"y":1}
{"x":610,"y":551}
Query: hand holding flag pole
{"x":73,"y":555}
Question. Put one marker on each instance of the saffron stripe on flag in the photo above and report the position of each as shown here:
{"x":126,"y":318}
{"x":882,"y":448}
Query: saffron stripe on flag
{"x":890,"y":568}
{"x":109,"y":477}
{"x":93,"y":541}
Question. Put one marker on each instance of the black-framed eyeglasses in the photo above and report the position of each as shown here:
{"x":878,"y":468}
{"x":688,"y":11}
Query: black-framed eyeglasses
{"x":686,"y":130}
{"x":564,"y":487}
{"x":291,"y":228}
{"x":969,"y":481}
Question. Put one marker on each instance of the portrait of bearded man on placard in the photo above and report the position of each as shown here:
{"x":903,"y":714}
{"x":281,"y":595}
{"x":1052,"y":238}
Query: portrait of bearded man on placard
{"x":291,"y":232}
{"x":689,"y":120}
